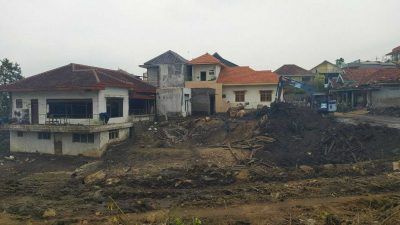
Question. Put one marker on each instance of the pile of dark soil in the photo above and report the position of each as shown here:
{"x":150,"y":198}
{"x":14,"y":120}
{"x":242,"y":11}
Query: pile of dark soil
{"x":388,"y":111}
{"x":306,"y":137}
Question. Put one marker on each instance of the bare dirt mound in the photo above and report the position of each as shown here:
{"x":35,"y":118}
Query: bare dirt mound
{"x":306,"y":137}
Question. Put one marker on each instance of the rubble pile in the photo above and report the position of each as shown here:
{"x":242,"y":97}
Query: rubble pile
{"x":305,"y":137}
{"x":204,"y":131}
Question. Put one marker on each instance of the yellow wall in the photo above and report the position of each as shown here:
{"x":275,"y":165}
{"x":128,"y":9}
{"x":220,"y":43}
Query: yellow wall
{"x":221,"y":105}
{"x":326,"y":68}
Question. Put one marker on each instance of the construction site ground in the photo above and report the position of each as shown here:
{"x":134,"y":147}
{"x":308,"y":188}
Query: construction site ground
{"x":362,"y":116}
{"x":284,"y":166}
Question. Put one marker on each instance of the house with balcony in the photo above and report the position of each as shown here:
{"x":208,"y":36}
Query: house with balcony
{"x":76,"y":110}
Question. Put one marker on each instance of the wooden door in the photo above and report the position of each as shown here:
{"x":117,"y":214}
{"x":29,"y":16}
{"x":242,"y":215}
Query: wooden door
{"x":34,"y":111}
{"x":58,"y":144}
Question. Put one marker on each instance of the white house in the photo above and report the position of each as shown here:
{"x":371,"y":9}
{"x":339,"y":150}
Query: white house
{"x":76,"y":109}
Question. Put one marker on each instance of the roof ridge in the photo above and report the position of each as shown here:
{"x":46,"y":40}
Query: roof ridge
{"x":112,"y":77}
{"x":42,"y":73}
{"x":96,"y":76}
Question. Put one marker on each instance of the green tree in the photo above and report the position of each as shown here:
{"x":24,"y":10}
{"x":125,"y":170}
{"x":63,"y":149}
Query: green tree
{"x":340,"y":62}
{"x":9,"y":73}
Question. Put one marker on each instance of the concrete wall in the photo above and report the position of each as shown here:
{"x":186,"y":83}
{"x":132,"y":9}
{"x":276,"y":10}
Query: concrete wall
{"x":201,"y":100}
{"x":220,"y":105}
{"x":105,"y":141}
{"x":153,"y":76}
{"x":172,"y":75}
{"x":385,"y":97}
{"x":30,"y":143}
{"x":173,"y":102}
{"x":196,"y":69}
{"x":252,"y":94}
{"x":98,"y":101}
{"x":114,"y":92}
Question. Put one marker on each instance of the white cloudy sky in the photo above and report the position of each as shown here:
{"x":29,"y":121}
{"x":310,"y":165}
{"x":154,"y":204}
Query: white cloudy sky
{"x":44,"y":34}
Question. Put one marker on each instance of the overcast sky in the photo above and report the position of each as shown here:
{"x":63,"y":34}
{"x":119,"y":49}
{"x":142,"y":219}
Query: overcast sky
{"x":45,"y":34}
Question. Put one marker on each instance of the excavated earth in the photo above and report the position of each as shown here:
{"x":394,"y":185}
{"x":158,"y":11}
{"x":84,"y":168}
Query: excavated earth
{"x":281,"y":165}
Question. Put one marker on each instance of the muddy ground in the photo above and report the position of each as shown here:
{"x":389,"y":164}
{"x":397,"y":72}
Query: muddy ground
{"x":252,"y":170}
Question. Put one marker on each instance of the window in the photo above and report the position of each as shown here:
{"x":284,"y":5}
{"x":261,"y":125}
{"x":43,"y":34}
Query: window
{"x":70,"y":108}
{"x":211,"y":72}
{"x":306,"y":79}
{"x":265,"y":96}
{"x":44,"y":135}
{"x":20,"y":134}
{"x":115,"y":107}
{"x":113,"y":134}
{"x":239,"y":96}
{"x":18,"y":103}
{"x":203,"y":76}
{"x":83,"y":138}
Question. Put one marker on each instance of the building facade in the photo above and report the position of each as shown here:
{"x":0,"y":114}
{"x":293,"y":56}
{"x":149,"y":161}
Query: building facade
{"x":76,"y":110}
{"x":168,"y":72}
{"x":232,"y":85}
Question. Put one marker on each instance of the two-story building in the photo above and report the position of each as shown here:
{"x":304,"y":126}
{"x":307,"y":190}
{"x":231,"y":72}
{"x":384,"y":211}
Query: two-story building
{"x":231,"y":85}
{"x":168,"y":72}
{"x":76,"y":109}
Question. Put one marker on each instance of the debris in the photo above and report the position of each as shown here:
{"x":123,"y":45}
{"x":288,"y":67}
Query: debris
{"x":49,"y":213}
{"x":95,"y":177}
{"x":11,"y":157}
{"x":396,"y":165}
{"x":306,"y":169}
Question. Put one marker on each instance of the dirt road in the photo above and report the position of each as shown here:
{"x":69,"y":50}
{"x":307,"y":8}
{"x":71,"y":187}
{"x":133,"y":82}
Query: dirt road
{"x":357,"y":118}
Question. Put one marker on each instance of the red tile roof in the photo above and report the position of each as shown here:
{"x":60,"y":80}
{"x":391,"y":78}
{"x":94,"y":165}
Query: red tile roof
{"x":395,"y":50}
{"x":386,"y":75}
{"x":79,"y":77}
{"x":358,"y":76}
{"x":353,"y":78}
{"x":205,"y":59}
{"x":246,"y":75}
{"x":292,"y":69}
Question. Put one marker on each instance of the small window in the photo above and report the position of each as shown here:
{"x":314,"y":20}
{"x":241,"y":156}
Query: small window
{"x":239,"y":96}
{"x":20,"y":133}
{"x":265,"y":96}
{"x":211,"y":72}
{"x":18,"y":103}
{"x":223,"y":95}
{"x":44,"y":135}
{"x":83,"y":138}
{"x":113,"y":134}
{"x":76,"y":138}
{"x":90,"y":138}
